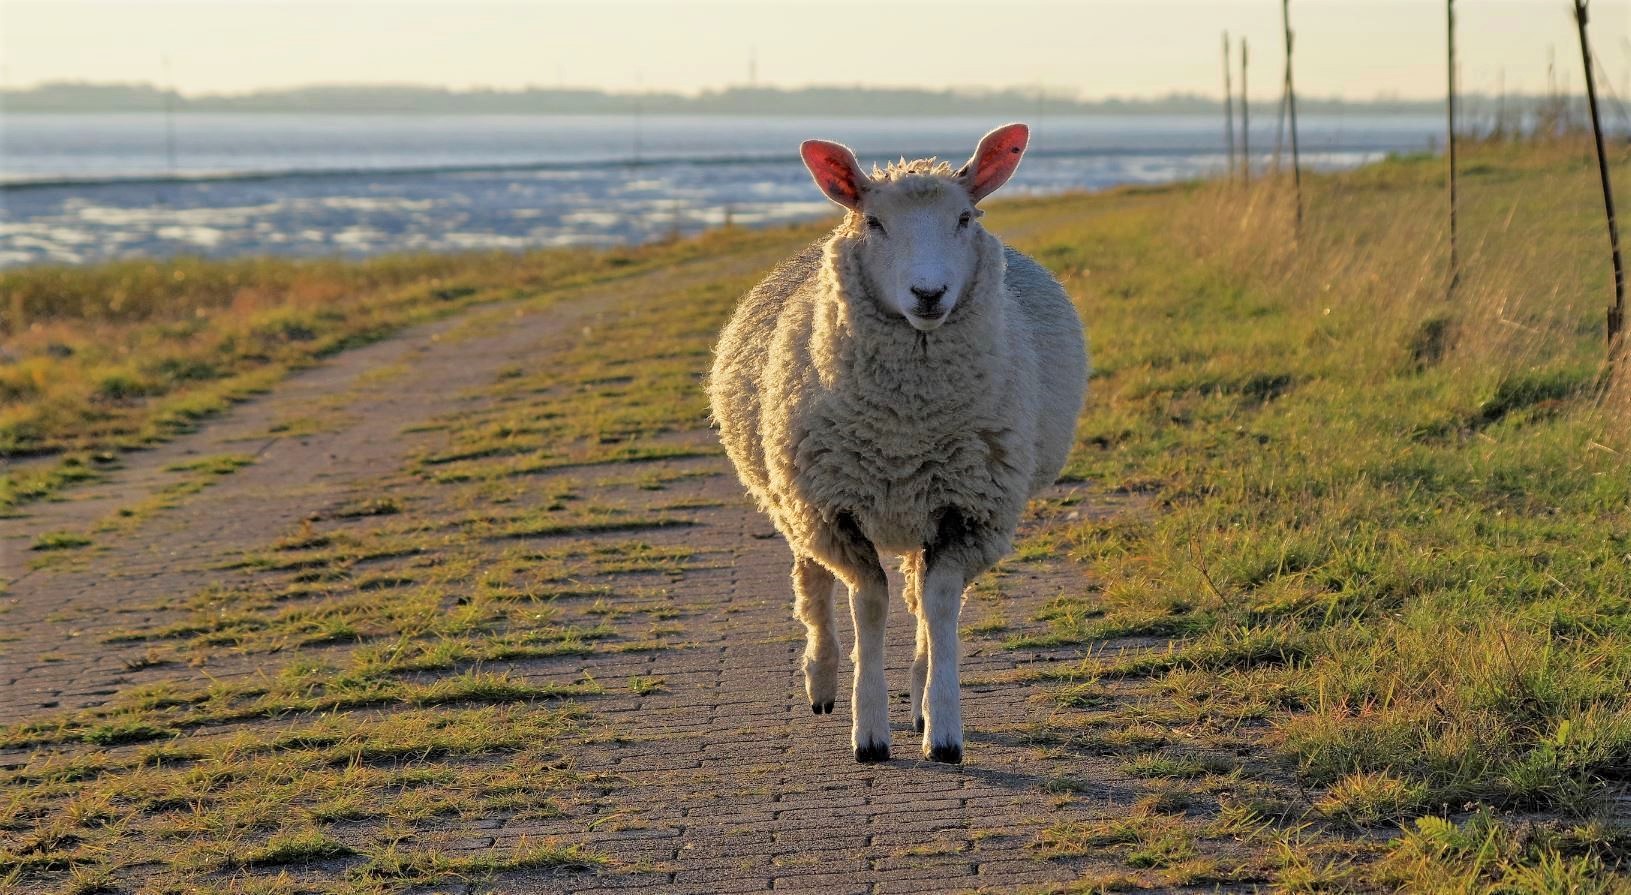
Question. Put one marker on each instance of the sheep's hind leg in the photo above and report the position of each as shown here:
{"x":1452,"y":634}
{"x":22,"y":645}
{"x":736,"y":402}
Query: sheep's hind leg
{"x":855,"y":561}
{"x":911,"y":568}
{"x":813,"y":603}
{"x":958,"y":554}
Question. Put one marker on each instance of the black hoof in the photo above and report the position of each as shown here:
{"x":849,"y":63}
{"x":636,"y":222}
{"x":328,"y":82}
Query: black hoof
{"x":946,"y":754}
{"x":815,"y":709}
{"x":872,"y":754}
{"x":918,"y":724}
{"x":826,"y":708}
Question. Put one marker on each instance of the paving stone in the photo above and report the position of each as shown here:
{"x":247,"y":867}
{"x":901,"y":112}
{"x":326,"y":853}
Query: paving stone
{"x":720,"y":782}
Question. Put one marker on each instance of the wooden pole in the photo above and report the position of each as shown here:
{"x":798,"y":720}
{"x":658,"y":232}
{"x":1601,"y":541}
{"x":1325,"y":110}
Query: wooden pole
{"x":1449,"y":136}
{"x":1616,"y":313}
{"x":1280,"y":127}
{"x":1245,"y":121}
{"x":1228,"y":107}
{"x":1551,"y":117}
{"x":1291,"y":109}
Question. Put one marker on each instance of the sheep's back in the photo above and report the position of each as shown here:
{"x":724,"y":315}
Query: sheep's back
{"x":741,"y":358}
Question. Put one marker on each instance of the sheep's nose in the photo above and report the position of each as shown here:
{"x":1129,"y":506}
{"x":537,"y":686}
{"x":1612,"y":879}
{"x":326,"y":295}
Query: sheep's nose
{"x":928,"y":297}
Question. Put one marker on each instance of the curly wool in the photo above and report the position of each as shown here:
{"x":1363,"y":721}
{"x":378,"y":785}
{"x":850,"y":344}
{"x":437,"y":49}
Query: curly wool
{"x":829,"y":406}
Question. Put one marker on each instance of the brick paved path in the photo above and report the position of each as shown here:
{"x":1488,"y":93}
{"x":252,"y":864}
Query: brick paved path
{"x":716,"y":778}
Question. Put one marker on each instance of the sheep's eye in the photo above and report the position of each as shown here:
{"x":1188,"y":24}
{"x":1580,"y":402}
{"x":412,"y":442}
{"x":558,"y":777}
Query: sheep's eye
{"x":873,"y":223}
{"x":962,"y":222}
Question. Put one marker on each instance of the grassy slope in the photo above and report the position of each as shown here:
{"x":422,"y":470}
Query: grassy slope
{"x":98,"y":360}
{"x":1390,"y":525}
{"x":1393,"y":522}
{"x":343,"y":763}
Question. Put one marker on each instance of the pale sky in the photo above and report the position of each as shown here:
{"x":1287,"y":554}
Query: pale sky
{"x":1352,"y":48}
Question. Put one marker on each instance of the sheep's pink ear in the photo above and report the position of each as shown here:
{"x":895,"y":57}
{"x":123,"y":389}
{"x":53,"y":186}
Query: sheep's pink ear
{"x":995,"y":160}
{"x":835,"y":170}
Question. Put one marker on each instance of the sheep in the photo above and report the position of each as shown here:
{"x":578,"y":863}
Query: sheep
{"x":903,"y":386}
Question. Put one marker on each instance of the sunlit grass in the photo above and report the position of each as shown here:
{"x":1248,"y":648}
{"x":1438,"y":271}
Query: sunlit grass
{"x":122,"y":354}
{"x":302,"y":795}
{"x":1392,"y":523}
{"x":1379,"y":537}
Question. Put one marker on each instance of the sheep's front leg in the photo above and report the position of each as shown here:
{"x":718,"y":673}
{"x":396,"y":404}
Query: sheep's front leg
{"x":869,"y":607}
{"x":958,"y":554}
{"x":855,"y":561}
{"x":813,"y":603}
{"x":911,"y":568}
{"x":943,"y":709}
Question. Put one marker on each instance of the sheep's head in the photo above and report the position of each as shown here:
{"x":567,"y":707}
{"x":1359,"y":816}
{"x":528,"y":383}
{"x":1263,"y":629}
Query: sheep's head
{"x":917,"y":222}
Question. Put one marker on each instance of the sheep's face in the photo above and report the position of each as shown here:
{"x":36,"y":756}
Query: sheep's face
{"x":916,"y":222}
{"x":916,"y":247}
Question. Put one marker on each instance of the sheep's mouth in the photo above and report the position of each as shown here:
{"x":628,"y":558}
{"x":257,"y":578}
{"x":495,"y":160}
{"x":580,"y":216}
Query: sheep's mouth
{"x":925,"y":321}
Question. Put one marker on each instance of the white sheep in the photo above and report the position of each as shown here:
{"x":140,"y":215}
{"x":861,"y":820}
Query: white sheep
{"x":905,"y":385}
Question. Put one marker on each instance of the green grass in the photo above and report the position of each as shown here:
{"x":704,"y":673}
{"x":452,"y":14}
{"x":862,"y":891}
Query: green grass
{"x":1181,"y":767}
{"x":298,"y":796}
{"x":155,"y":712}
{"x":1481,"y":854}
{"x":297,"y":847}
{"x":389,"y":628}
{"x":1158,"y":850}
{"x":60,"y":540}
{"x":422,"y":864}
{"x":215,"y":464}
{"x":120,"y":355}
{"x":1404,"y":520}
{"x":1379,"y":538}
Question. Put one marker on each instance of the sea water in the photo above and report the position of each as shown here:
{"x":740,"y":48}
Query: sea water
{"x":82,"y":188}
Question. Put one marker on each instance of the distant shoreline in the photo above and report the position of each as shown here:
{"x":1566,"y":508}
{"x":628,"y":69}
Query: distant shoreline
{"x":9,"y":184}
{"x":339,"y":99}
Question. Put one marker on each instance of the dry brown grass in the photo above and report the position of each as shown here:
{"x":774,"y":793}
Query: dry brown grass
{"x":98,"y":359}
{"x":1534,"y":281}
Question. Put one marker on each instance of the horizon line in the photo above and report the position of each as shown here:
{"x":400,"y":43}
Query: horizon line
{"x":1040,"y":92}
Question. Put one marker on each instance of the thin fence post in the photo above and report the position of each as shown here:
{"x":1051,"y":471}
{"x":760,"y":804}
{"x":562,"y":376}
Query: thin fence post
{"x":1291,"y":109}
{"x":1228,"y":107}
{"x":1616,"y":313}
{"x":1449,"y":136}
{"x":1245,"y":121}
{"x":1280,"y":128}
